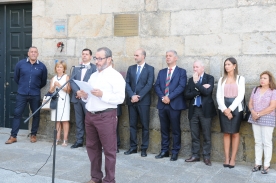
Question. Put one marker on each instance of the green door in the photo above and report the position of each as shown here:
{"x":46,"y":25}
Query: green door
{"x":16,"y":33}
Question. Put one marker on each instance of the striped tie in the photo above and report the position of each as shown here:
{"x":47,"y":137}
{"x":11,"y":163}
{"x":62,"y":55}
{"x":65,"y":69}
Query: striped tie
{"x":168,"y":82}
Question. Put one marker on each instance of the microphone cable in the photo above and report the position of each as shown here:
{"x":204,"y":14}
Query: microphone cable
{"x":18,"y":172}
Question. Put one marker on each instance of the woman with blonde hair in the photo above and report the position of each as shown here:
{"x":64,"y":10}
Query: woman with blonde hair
{"x":63,"y":111}
{"x":262,"y":106}
{"x":230,"y":93}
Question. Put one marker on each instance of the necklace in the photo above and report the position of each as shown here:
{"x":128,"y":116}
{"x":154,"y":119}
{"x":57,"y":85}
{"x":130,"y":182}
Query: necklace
{"x":60,"y":77}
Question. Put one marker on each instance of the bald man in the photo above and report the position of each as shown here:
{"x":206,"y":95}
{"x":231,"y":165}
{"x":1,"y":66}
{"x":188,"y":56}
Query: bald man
{"x":139,"y":81}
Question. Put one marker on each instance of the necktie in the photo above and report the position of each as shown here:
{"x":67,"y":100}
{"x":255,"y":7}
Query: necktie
{"x":168,"y":82}
{"x":198,"y":98}
{"x":138,"y":73}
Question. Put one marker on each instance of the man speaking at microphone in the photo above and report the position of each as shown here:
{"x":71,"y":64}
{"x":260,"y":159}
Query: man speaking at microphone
{"x":81,"y":73}
{"x":108,"y":90}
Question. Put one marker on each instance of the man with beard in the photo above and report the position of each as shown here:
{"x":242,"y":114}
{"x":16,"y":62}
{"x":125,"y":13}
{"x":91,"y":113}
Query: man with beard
{"x":79,"y":106}
{"x":101,"y":117}
{"x":139,"y":81}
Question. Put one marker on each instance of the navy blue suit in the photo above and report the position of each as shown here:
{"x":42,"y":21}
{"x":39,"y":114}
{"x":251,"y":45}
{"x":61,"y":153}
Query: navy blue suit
{"x":142,"y":107}
{"x":169,"y":114}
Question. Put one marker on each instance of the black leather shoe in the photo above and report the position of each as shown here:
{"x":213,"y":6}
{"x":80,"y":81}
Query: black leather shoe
{"x":130,"y":151}
{"x":174,"y":157}
{"x":144,"y":153}
{"x":207,"y":162}
{"x":192,"y":159}
{"x":162,"y":155}
{"x":76,"y":145}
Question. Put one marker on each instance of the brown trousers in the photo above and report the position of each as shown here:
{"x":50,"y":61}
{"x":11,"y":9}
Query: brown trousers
{"x":101,"y":133}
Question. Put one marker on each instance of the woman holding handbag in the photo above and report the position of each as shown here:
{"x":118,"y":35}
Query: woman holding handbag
{"x":230,"y":93}
{"x":262,"y":106}
{"x":63,"y":111}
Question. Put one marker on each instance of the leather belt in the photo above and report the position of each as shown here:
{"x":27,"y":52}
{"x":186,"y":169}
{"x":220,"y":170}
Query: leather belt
{"x":98,"y":112}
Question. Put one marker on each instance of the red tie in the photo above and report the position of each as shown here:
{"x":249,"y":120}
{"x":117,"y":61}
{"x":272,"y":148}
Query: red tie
{"x":168,"y":82}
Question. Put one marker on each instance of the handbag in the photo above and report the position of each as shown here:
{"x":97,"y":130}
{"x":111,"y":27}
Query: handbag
{"x":47,"y":105}
{"x":246,"y":112}
{"x":51,"y":104}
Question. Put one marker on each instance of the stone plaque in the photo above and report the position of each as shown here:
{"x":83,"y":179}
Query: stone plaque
{"x":126,"y":25}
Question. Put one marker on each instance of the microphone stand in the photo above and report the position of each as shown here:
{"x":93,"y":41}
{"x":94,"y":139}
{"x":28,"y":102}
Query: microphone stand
{"x":55,"y":94}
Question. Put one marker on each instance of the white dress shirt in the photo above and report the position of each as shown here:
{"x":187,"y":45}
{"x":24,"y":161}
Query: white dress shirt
{"x":112,"y":84}
{"x":83,"y":71}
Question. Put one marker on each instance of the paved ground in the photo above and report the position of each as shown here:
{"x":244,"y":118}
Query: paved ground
{"x":73,"y":166}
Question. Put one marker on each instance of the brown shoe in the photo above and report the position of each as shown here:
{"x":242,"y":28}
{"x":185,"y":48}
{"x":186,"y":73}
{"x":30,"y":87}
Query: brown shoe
{"x":207,"y":162}
{"x":11,"y":140}
{"x":192,"y":159}
{"x":33,"y":139}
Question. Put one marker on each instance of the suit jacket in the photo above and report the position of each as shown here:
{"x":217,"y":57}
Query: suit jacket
{"x":77,"y":76}
{"x":207,"y":102}
{"x":143,"y":86}
{"x":176,"y":88}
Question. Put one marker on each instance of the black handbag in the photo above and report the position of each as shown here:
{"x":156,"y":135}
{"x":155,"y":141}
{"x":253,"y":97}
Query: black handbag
{"x":53,"y":103}
{"x":246,"y":112}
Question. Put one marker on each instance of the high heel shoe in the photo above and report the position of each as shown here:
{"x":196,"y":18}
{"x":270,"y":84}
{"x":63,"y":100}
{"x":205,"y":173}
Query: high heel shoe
{"x":226,"y":165}
{"x":256,"y":168}
{"x":64,"y":144}
{"x":57,"y":142}
{"x":231,"y":166}
{"x":265,"y":171}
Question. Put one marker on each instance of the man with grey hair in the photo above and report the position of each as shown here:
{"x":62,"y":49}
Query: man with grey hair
{"x":108,"y":90}
{"x":169,"y":88}
{"x":201,"y":110}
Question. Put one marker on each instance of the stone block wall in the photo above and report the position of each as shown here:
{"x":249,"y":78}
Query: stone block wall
{"x":207,"y":30}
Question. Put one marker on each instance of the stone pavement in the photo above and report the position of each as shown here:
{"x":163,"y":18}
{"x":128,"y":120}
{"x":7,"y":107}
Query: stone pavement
{"x":73,"y":166}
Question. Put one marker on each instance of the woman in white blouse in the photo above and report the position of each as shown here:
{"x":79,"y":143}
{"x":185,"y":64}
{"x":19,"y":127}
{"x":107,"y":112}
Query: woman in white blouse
{"x":230,"y":93}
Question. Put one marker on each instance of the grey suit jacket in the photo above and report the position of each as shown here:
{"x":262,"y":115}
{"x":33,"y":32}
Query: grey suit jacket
{"x":76,"y":74}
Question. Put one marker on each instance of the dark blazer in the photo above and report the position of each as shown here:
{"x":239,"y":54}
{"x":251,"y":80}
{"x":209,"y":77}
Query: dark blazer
{"x":143,"y":86}
{"x":176,"y":88}
{"x":208,"y":106}
{"x":77,"y":76}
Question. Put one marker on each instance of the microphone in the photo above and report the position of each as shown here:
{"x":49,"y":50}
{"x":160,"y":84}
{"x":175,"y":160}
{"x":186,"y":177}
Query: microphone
{"x":82,"y":66}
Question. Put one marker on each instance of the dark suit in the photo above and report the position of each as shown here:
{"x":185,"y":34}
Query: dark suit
{"x":169,"y":114}
{"x":142,"y":107}
{"x":201,"y":116}
{"x":79,"y":105}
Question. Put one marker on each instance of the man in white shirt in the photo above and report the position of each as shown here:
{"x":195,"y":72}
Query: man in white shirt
{"x":108,"y":90}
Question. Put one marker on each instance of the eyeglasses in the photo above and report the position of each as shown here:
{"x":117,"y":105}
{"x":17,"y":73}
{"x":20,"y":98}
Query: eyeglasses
{"x":99,"y":59}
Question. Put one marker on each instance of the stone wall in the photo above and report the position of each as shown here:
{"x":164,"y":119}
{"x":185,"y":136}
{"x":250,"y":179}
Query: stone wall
{"x":207,"y":30}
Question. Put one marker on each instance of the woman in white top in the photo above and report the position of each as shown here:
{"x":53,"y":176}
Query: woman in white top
{"x":230,"y":93}
{"x":63,"y":111}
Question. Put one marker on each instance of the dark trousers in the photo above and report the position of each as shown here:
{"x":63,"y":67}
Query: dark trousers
{"x":21,"y":104}
{"x":199,"y":120}
{"x":80,"y":111}
{"x":118,"y":134}
{"x":101,"y":133}
{"x":142,"y":112}
{"x":170,"y":118}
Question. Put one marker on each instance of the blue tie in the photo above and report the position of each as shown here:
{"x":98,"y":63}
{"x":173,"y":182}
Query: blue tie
{"x":138,"y":73}
{"x":198,"y":98}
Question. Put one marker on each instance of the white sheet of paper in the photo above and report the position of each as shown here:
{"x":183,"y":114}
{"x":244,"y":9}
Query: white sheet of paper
{"x":84,"y":86}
